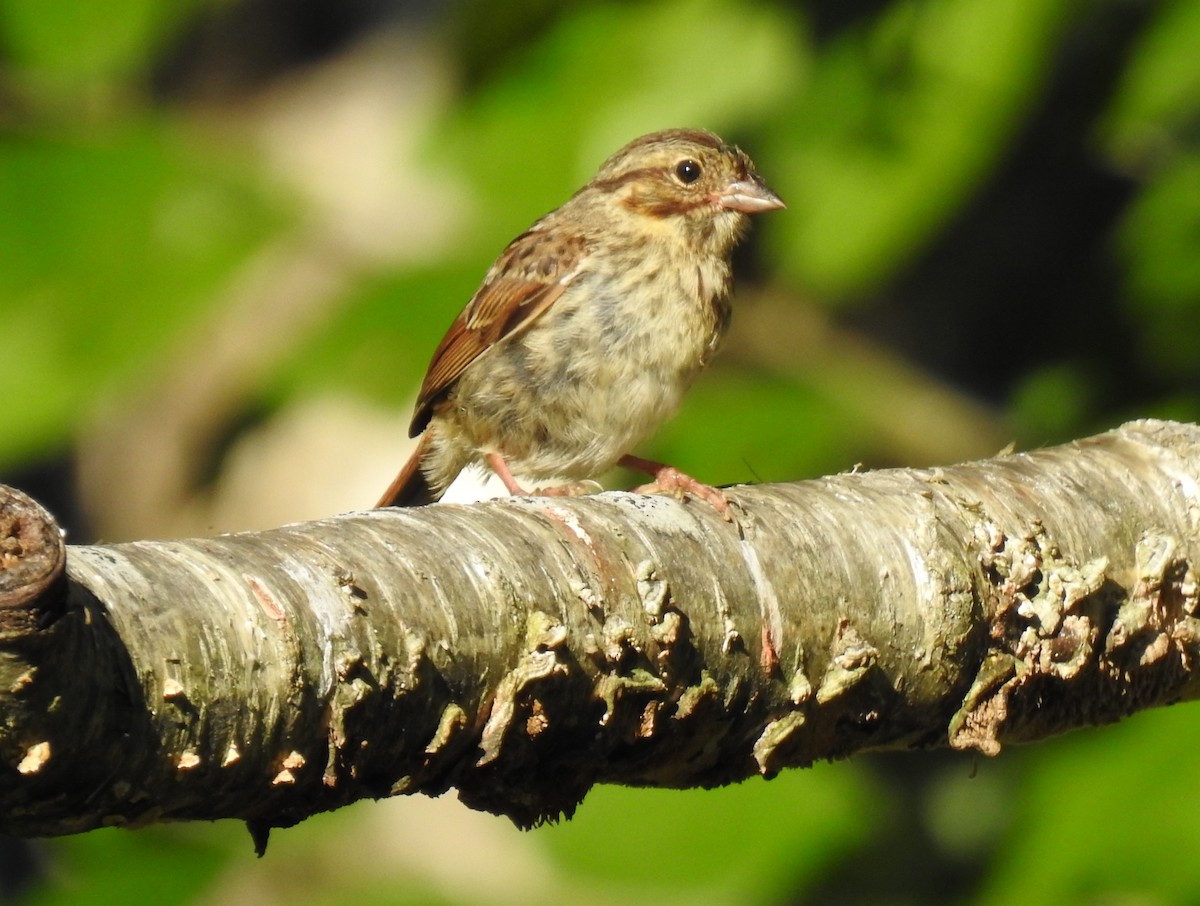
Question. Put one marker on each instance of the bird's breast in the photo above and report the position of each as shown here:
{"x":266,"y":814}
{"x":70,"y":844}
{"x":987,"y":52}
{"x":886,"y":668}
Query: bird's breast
{"x":600,"y":370}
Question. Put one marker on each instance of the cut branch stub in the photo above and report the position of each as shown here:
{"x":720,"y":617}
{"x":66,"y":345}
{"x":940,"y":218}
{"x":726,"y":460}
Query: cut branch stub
{"x":32,"y":555}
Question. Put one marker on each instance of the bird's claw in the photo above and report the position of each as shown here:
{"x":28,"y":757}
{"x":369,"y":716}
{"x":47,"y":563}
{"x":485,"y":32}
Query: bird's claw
{"x":669,"y":480}
{"x":570,"y":489}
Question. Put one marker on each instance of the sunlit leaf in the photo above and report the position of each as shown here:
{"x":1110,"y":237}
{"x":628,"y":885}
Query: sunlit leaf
{"x":73,"y":39}
{"x":899,"y":123}
{"x":108,"y":247}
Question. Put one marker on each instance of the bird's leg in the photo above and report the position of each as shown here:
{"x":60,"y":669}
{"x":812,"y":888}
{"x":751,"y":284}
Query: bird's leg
{"x":497,"y":464}
{"x":669,"y":480}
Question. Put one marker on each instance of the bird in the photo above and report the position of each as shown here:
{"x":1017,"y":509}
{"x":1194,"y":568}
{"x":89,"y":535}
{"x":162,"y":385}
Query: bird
{"x":590,"y":326}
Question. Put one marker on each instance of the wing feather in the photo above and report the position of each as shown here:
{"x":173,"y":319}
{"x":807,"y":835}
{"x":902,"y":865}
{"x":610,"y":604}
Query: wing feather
{"x":526,"y":279}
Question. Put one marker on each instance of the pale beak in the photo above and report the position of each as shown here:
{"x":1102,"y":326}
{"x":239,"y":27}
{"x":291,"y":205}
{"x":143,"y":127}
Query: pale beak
{"x":749,"y":196}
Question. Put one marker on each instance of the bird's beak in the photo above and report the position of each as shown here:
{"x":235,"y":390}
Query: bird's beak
{"x":749,"y":196}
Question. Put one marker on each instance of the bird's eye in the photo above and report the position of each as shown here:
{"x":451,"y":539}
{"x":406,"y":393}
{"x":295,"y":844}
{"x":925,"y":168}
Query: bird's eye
{"x":688,"y":171}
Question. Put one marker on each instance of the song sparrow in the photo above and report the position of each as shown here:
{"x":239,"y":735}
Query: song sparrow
{"x":591,"y":325}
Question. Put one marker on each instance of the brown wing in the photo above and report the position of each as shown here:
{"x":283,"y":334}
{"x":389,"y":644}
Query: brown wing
{"x":528,"y":276}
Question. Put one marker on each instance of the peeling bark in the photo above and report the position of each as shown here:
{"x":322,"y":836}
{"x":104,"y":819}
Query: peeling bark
{"x":523,"y":650}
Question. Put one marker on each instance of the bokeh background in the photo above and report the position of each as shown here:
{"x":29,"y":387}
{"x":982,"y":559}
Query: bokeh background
{"x":232,"y":231}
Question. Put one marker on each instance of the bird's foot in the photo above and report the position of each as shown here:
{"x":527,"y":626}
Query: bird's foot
{"x":669,"y":480}
{"x":570,"y":489}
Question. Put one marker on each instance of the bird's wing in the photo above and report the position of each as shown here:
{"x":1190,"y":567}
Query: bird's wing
{"x":526,"y":279}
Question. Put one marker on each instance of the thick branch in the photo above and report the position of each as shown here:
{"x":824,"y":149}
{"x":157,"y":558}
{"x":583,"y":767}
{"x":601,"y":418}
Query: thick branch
{"x":524,"y":649}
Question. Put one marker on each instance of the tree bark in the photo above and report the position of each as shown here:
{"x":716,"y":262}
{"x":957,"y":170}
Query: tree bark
{"x":523,"y":650}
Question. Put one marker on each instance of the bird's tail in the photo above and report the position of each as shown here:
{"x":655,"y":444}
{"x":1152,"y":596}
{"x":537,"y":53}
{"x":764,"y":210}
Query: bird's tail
{"x":411,"y":487}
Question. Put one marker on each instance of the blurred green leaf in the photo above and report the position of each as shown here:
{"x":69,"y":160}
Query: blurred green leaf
{"x":748,"y":843}
{"x":738,"y":426}
{"x":1160,"y":243}
{"x":70,"y":40}
{"x":380,"y":344}
{"x":111,"y":865}
{"x":1110,"y":817}
{"x":1052,"y":404}
{"x":109,"y":246}
{"x":1161,"y":237}
{"x":1158,"y":95}
{"x":899,"y":123}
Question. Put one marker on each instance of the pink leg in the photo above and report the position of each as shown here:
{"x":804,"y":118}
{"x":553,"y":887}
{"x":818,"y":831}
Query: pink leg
{"x":669,"y":480}
{"x":497,"y":464}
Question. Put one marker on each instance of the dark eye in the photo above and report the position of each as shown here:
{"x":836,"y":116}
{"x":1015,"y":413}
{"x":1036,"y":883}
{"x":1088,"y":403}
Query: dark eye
{"x":688,"y":171}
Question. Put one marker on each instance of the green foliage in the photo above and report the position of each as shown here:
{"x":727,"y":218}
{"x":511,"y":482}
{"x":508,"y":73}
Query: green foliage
{"x":902,"y":119}
{"x":1154,"y":109}
{"x":787,"y":430}
{"x":111,"y":243}
{"x":389,"y":328}
{"x":1159,"y":240}
{"x":1150,"y":128}
{"x":746,"y":843}
{"x":69,"y":43}
{"x":1053,"y":403}
{"x":1109,"y":817}
{"x":113,"y":866}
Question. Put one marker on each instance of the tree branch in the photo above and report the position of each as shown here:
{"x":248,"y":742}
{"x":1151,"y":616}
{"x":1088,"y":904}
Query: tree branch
{"x":522,"y":650}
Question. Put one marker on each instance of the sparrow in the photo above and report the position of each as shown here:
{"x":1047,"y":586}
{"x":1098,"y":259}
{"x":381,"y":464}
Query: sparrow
{"x":590,"y":326}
